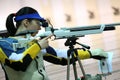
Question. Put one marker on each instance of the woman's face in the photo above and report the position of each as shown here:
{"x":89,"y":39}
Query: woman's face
{"x":34,"y":25}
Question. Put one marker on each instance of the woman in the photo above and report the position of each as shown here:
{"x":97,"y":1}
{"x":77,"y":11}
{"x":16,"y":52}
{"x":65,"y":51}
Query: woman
{"x":22,"y":57}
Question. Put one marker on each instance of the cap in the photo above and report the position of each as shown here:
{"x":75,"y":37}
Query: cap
{"x":29,"y":16}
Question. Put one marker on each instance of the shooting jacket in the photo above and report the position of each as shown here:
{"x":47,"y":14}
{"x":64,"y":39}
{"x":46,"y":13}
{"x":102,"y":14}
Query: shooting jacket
{"x":27,"y":64}
{"x":22,"y":64}
{"x":35,"y":71}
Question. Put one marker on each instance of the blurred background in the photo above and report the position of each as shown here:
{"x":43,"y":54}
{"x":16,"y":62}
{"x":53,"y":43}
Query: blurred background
{"x":74,"y":13}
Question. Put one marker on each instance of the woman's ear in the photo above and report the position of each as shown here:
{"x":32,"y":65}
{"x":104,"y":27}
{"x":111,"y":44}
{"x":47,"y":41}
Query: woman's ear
{"x":26,"y":22}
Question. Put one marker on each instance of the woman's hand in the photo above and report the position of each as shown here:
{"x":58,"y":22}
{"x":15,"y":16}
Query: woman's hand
{"x":44,"y":42}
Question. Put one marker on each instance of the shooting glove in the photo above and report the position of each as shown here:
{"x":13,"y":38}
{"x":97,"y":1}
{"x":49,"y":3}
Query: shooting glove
{"x":98,"y":54}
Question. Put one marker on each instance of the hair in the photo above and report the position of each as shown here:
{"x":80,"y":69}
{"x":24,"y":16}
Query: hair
{"x":11,"y":28}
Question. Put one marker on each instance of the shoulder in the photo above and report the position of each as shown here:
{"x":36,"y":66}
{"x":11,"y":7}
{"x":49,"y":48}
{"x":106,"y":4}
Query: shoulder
{"x":6,"y":44}
{"x":10,"y":39}
{"x":7,"y":41}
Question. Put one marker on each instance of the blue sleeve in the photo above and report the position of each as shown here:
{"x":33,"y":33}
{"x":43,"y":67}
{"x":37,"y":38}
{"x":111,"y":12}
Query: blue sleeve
{"x":51,"y":50}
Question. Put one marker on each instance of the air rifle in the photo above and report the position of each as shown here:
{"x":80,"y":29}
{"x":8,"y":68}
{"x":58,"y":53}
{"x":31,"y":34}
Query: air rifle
{"x":77,"y":31}
{"x":68,"y":32}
